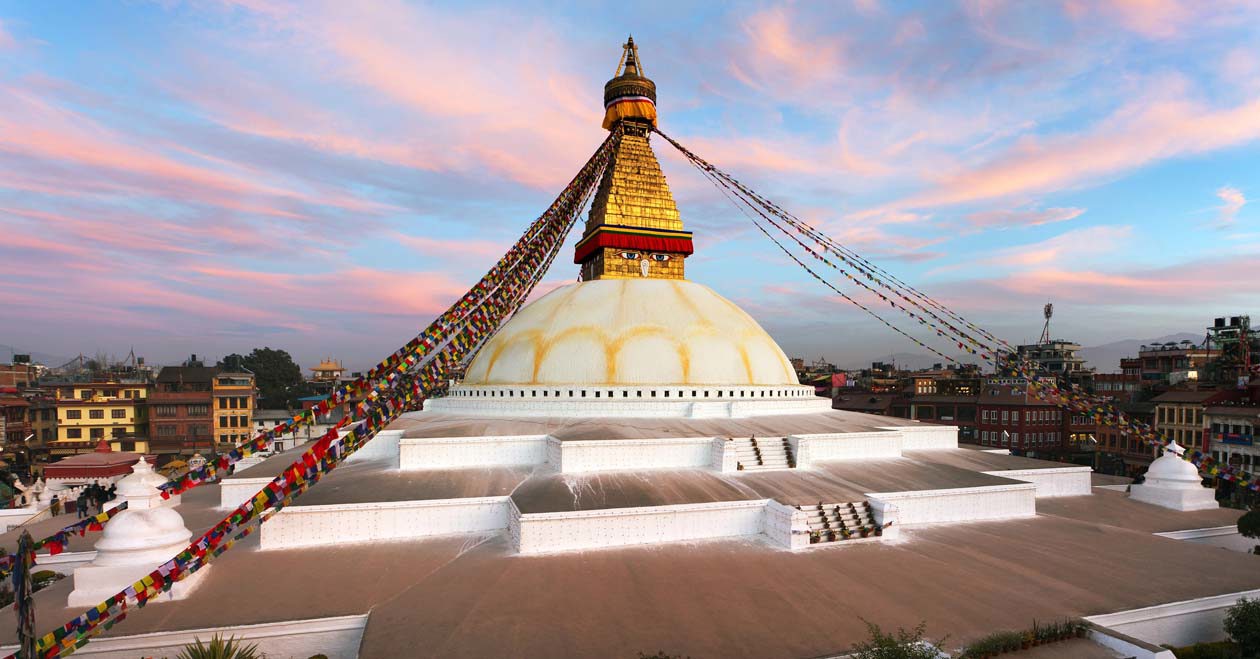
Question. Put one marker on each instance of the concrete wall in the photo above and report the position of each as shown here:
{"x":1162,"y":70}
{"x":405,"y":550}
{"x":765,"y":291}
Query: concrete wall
{"x":1053,"y":482}
{"x":1175,"y":623}
{"x":962,"y":504}
{"x":845,"y":446}
{"x":338,"y":638}
{"x":300,"y":526}
{"x":927,"y":437}
{"x":616,"y":454}
{"x":589,"y":529}
{"x":460,"y":452}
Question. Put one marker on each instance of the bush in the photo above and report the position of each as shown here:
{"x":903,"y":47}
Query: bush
{"x":1217,"y":650}
{"x":993,"y":645}
{"x":901,"y":645}
{"x":1249,"y":526}
{"x":219,"y":649}
{"x":45,"y":578}
{"x":1242,"y":623}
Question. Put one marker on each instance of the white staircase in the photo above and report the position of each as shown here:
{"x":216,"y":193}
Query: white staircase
{"x":754,"y":454}
{"x":837,"y":522}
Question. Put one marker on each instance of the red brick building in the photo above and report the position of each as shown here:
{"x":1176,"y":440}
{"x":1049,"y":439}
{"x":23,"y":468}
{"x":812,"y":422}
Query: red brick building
{"x":1009,"y":417}
{"x":180,"y":410}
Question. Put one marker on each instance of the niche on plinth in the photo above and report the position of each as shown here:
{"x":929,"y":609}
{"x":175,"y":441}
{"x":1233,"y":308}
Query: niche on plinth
{"x":135,"y":542}
{"x":1172,"y":482}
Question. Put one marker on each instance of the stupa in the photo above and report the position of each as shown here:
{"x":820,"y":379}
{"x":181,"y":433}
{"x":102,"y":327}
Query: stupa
{"x":630,"y":465}
{"x":638,"y":407}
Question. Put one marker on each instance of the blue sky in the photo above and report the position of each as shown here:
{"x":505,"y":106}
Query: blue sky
{"x":213,"y":176}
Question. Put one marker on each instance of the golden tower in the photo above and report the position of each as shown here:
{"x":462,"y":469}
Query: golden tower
{"x":634,"y":229}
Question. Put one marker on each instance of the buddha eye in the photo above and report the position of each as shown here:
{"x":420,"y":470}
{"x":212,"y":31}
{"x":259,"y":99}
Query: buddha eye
{"x":633,"y":256}
{"x":660,"y":257}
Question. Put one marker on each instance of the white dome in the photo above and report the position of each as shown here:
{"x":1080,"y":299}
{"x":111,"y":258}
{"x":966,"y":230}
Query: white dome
{"x":1171,"y":470}
{"x":631,"y":332}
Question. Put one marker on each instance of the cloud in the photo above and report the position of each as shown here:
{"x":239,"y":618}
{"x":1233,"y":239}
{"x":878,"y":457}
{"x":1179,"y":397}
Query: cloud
{"x":7,"y":42}
{"x":1076,"y":246}
{"x":1006,"y":219}
{"x":1233,"y":201}
{"x":1141,"y":132}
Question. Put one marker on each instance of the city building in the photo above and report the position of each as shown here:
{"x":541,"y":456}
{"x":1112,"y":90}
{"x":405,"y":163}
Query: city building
{"x":234,"y":395}
{"x":1121,"y":454}
{"x":18,"y":375}
{"x":180,"y":410}
{"x":1179,"y":415}
{"x":1231,"y":422}
{"x":328,"y":370}
{"x":14,"y":426}
{"x":1010,"y":417}
{"x":1169,"y":364}
{"x":88,"y":412}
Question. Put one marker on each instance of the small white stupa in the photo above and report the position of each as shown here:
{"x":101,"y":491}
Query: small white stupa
{"x":134,"y":542}
{"x":1173,"y":482}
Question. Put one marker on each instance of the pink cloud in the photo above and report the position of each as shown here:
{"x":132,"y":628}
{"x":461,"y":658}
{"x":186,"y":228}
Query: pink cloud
{"x":1077,"y":246}
{"x":1005,"y":219}
{"x":1232,"y":201}
{"x":7,"y":42}
{"x":1141,"y":132}
{"x":450,"y":248}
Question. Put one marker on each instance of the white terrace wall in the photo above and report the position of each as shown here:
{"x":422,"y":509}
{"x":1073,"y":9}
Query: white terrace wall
{"x":1053,"y":482}
{"x":1176,"y":623}
{"x":301,"y":526}
{"x":336,"y":638}
{"x":590,"y":529}
{"x":926,"y":436}
{"x":384,"y":446}
{"x":965,"y":504}
{"x":235,"y":491}
{"x":845,"y":446}
{"x":460,"y":452}
{"x":617,"y":454}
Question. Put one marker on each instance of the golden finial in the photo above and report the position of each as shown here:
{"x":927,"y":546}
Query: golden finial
{"x":629,"y":95}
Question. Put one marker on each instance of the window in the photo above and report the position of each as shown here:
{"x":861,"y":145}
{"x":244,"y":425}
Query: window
{"x":223,"y":422}
{"x":165,"y":410}
{"x":1005,"y":416}
{"x":96,"y":414}
{"x":97,"y":433}
{"x":167,"y":430}
{"x":198,"y":410}
{"x":116,"y":432}
{"x":74,"y":433}
{"x":118,"y":414}
{"x":74,"y":414}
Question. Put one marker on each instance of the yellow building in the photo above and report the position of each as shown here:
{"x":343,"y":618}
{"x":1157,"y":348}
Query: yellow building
{"x":234,"y":395}
{"x":1179,"y":416}
{"x":88,"y":412}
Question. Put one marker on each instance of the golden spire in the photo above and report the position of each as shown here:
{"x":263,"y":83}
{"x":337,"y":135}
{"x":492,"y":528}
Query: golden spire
{"x":629,"y":95}
{"x":634,"y":229}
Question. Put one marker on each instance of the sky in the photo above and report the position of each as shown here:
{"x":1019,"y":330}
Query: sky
{"x":325,"y":177}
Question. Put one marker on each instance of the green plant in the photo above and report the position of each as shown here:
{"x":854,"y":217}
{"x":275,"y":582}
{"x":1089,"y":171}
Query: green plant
{"x":219,"y":648}
{"x":1217,"y":650}
{"x":902,"y":644}
{"x":1242,"y":623}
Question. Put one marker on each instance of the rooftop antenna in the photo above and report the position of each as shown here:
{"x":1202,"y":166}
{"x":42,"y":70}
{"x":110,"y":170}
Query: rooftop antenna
{"x":1045,"y":330}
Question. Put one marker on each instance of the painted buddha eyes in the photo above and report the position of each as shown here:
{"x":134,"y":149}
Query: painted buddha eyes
{"x":635,"y":256}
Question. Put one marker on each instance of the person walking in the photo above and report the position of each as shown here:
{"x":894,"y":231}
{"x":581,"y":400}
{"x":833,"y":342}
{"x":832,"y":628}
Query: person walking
{"x":55,"y":505}
{"x":80,"y":505}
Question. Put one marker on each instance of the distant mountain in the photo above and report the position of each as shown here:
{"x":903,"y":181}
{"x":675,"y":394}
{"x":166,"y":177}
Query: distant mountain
{"x":1106,"y":357}
{"x":906,"y":360}
{"x":7,"y":352}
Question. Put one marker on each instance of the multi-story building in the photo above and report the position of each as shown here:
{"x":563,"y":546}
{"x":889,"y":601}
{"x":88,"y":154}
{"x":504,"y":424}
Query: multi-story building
{"x":1117,"y":387}
{"x":1010,"y":417}
{"x":234,"y":396}
{"x":1232,"y":426}
{"x":14,"y":427}
{"x":1125,"y":454}
{"x":17,"y":375}
{"x":180,"y":420}
{"x":1172,"y":363}
{"x":1179,"y":415}
{"x":88,"y":412}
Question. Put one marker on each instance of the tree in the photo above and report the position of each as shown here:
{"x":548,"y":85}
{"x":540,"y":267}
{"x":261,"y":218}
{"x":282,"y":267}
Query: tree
{"x":1242,"y":623}
{"x":277,"y":376}
{"x":1249,"y":525}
